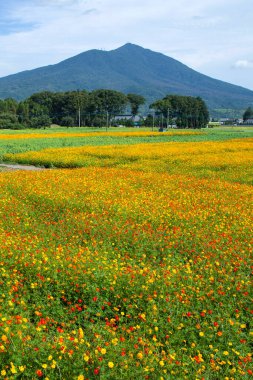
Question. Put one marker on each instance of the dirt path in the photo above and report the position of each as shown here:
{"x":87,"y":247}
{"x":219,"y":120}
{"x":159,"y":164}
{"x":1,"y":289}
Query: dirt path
{"x":10,"y":167}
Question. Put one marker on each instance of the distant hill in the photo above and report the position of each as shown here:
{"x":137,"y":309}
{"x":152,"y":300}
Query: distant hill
{"x":129,"y":68}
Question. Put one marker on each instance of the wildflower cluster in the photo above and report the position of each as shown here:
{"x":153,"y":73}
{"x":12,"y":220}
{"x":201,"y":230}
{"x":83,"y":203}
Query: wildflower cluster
{"x":229,"y":160}
{"x":115,"y":273}
{"x":54,"y":135}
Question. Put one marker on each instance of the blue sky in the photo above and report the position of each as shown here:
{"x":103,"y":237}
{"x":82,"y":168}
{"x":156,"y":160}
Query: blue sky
{"x":214,"y":37}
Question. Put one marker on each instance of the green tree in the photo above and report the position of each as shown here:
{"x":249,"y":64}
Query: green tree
{"x":67,"y":121}
{"x":109,"y":102}
{"x":7,"y":119}
{"x":248,"y":114}
{"x":162,"y":106}
{"x":135,"y":102}
{"x":23,"y":112}
{"x":41,"y":121}
{"x":184,"y":111}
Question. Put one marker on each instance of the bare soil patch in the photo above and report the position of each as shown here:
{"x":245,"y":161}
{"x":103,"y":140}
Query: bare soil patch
{"x":10,"y":167}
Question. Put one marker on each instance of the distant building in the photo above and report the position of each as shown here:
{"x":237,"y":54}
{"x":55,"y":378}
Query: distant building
{"x":135,"y":119}
{"x":230,"y":121}
{"x":248,"y":122}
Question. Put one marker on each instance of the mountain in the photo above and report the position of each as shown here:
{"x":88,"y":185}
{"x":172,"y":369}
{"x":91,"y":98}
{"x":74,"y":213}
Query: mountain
{"x":129,"y":68}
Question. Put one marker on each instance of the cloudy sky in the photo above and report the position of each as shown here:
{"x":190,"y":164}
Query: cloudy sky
{"x":214,"y":37}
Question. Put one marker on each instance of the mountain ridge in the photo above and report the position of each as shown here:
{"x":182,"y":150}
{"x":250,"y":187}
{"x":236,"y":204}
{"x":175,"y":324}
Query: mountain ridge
{"x":129,"y":68}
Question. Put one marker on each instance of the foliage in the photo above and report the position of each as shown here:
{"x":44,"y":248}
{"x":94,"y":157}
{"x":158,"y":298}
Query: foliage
{"x":7,"y":120}
{"x":184,"y":111}
{"x":97,"y":109}
{"x":135,"y":102}
{"x":67,"y":121}
{"x":248,"y":114}
{"x":109,"y":101}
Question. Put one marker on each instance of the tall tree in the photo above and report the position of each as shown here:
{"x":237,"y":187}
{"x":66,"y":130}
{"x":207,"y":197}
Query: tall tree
{"x":185,"y":111}
{"x":135,"y":102}
{"x":248,"y":114}
{"x":110,"y":101}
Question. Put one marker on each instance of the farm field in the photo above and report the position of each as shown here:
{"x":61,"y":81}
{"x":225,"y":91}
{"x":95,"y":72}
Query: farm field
{"x":131,"y":258}
{"x":25,"y":140}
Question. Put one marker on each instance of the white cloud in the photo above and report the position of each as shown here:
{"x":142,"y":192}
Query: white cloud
{"x":243,"y":64}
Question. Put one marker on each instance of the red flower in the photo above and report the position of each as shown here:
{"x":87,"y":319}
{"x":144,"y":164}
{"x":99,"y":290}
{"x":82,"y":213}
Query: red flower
{"x":42,"y":322}
{"x":96,"y":371}
{"x":39,"y":373}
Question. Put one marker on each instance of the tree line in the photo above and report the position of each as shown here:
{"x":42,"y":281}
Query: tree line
{"x":182,"y":111}
{"x":98,"y":108}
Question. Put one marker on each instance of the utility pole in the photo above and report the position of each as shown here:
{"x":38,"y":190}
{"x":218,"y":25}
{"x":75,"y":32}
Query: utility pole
{"x":168,"y":118}
{"x":107,"y":120}
{"x":79,"y":108}
{"x":153,"y":118}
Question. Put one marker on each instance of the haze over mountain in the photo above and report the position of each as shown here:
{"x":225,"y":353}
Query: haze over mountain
{"x":129,"y":69}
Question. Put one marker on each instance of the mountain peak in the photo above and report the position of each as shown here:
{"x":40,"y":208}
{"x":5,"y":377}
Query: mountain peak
{"x":129,"y":45}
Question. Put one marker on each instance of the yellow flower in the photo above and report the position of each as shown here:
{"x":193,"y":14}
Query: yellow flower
{"x":225,"y":353}
{"x":201,"y":333}
{"x":13,"y":368}
{"x":81,"y":334}
{"x":21,"y":368}
{"x":80,"y":377}
{"x":110,"y":364}
{"x":3,"y":372}
{"x":161,"y":362}
{"x":4,"y":338}
{"x":140,"y":355}
{"x":44,"y":366}
{"x":85,"y":358}
{"x":103,"y":351}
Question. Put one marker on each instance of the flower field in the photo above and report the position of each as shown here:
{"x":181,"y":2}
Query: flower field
{"x":41,"y":135}
{"x":228,"y":160}
{"x":136,"y":266}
